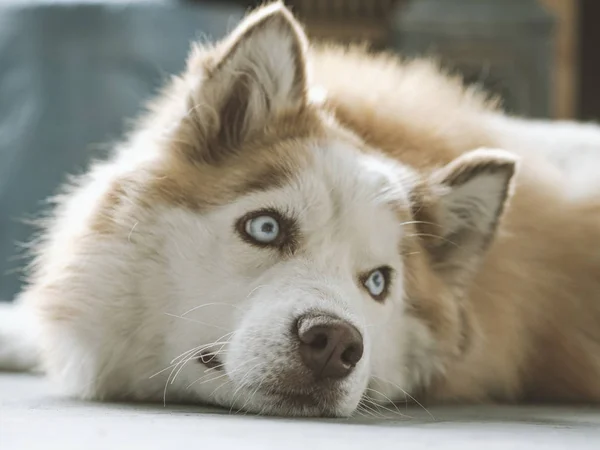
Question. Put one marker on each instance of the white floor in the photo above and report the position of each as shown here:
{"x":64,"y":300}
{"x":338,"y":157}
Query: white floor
{"x":32,"y":416}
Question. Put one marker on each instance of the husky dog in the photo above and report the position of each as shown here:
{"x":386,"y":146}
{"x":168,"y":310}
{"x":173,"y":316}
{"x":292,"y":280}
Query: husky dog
{"x":294,"y":229}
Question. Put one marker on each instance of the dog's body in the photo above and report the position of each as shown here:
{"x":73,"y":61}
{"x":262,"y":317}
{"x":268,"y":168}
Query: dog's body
{"x":396,"y":237}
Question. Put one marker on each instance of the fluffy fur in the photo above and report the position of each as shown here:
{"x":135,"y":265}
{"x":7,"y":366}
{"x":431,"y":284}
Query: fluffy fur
{"x":144,"y":268}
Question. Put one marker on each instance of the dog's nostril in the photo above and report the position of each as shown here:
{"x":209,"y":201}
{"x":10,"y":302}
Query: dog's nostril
{"x":319,"y":342}
{"x":351,"y":355}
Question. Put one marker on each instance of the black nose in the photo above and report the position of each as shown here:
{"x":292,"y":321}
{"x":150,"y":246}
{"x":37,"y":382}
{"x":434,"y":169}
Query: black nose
{"x":329,"y":347}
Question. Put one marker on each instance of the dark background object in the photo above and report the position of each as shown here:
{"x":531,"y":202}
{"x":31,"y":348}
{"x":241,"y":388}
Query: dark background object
{"x":589,"y":55}
{"x":507,"y":47}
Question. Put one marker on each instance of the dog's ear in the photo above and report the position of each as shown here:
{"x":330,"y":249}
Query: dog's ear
{"x":255,"y":74}
{"x":458,"y":209}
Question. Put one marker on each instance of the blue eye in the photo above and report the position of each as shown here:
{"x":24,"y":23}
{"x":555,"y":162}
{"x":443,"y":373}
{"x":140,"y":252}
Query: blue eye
{"x":376,"y":283}
{"x":262,"y":229}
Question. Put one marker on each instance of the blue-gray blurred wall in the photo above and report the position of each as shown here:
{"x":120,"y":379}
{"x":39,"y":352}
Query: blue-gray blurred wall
{"x":71,"y":72}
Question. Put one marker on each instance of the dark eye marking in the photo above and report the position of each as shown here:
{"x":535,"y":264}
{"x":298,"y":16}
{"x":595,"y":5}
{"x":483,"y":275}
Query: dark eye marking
{"x":268,"y":228}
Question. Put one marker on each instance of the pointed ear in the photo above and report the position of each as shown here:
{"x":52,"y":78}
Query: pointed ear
{"x":459,"y":209}
{"x":255,"y":74}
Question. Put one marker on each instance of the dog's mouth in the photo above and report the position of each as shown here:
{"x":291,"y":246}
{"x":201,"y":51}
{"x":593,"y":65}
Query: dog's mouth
{"x":210,"y":360}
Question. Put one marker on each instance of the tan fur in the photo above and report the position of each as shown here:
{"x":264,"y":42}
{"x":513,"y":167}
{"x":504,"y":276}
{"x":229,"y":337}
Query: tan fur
{"x":524,"y":325}
{"x":535,"y":305}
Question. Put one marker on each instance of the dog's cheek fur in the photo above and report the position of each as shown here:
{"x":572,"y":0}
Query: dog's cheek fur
{"x":420,"y":333}
{"x":455,"y":222}
{"x":88,"y":295}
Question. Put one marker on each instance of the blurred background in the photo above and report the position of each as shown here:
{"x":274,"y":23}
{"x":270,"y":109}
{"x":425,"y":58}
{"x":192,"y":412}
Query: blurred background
{"x":73,"y":71}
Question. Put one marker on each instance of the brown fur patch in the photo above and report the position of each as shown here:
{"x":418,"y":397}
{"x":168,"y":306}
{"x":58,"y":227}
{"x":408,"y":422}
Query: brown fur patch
{"x":267,"y":161}
{"x":432,"y":301}
{"x":110,"y":207}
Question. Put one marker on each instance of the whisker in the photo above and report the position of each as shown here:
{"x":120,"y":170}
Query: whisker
{"x":389,"y":400}
{"x":215,"y":368}
{"x":209,"y":304}
{"x":241,"y":385}
{"x":201,"y":381}
{"x":372,"y":411}
{"x":256,"y":289}
{"x":228,"y":380}
{"x":363,"y":411}
{"x":378,"y":406}
{"x":195,"y":321}
{"x":187,"y":360}
{"x":173,"y":363}
{"x":185,"y":354}
{"x":131,"y":231}
{"x":411,"y":222}
{"x":167,"y":386}
{"x":184,"y":362}
{"x":406,"y":394}
{"x":360,"y":411}
{"x":194,"y":352}
{"x":161,"y":371}
{"x":251,"y":396}
{"x":434,"y":236}
{"x":216,"y":342}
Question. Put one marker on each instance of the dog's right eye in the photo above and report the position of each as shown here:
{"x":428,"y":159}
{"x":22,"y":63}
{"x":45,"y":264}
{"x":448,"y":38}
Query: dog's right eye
{"x":263,"y":229}
{"x":377,"y":282}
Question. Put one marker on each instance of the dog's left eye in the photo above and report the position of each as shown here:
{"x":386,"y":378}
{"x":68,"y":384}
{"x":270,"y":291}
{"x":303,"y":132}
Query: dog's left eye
{"x":263,"y":229}
{"x":377,"y":282}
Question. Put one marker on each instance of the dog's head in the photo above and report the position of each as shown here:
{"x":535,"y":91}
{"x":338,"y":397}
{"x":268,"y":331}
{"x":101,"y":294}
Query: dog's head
{"x":300,"y":269}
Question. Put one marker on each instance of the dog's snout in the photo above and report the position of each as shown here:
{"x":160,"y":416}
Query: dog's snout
{"x":329,"y":347}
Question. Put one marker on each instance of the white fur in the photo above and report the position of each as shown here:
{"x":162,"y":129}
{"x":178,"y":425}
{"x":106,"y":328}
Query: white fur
{"x":18,"y":340}
{"x":572,"y":148}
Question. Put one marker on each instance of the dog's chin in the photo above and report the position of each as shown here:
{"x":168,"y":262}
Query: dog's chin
{"x":271,"y":402}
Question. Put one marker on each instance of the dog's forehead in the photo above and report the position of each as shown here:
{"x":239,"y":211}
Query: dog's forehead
{"x":357,"y":181}
{"x":347,"y":195}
